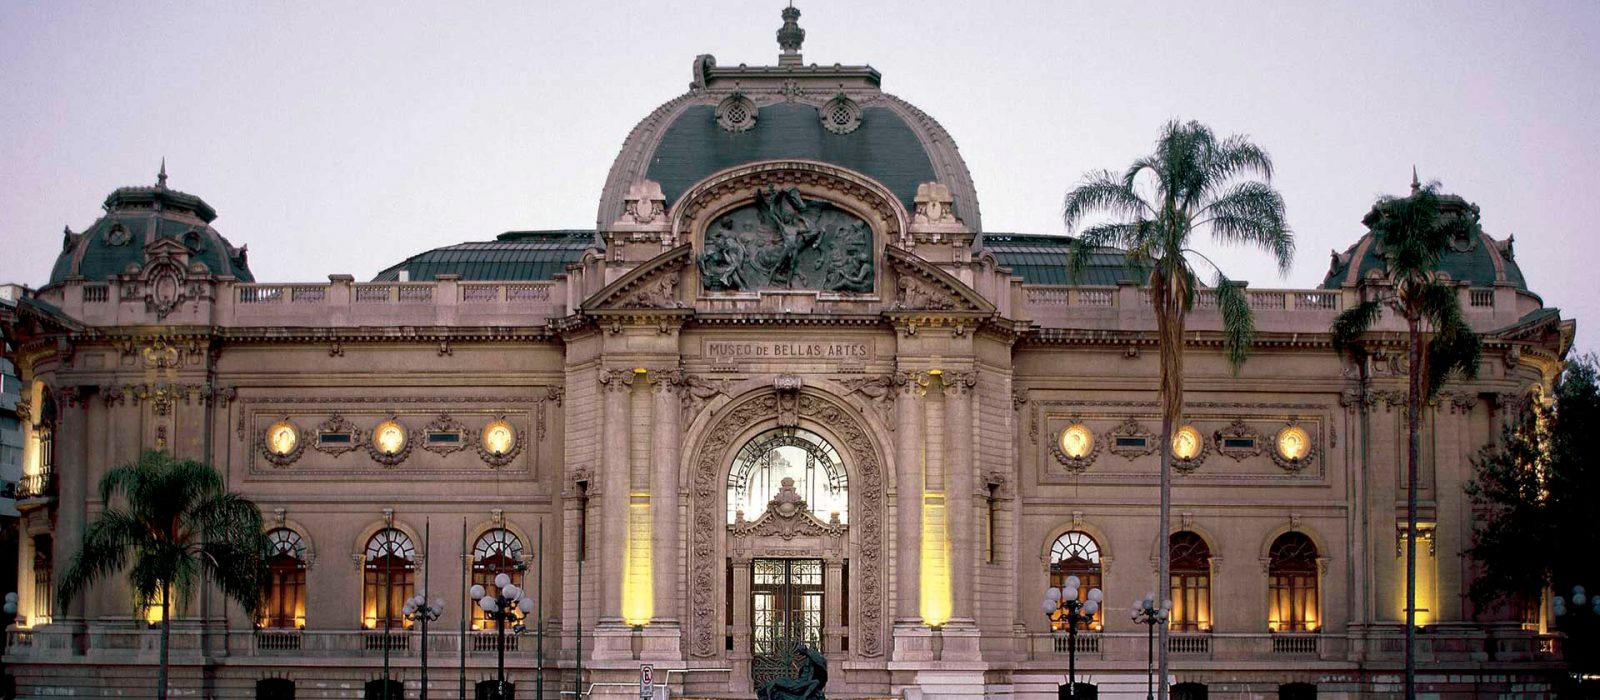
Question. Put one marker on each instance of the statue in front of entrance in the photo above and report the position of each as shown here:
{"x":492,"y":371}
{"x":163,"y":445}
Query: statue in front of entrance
{"x":781,"y":240}
{"x":811,"y":674}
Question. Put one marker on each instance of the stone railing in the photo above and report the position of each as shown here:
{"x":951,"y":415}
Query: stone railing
{"x":344,"y":302}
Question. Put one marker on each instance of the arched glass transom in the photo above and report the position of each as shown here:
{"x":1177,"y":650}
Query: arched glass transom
{"x":1075,"y":545}
{"x":285,"y":542}
{"x":794,"y":453}
{"x":498,"y":542}
{"x":391,"y":542}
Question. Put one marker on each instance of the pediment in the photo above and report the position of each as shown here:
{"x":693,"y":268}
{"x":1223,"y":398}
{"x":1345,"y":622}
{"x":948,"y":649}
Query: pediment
{"x":655,"y":285}
{"x":923,"y":288}
{"x":787,"y":527}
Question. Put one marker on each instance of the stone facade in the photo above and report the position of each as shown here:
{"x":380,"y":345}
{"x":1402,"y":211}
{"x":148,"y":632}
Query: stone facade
{"x":937,"y":394}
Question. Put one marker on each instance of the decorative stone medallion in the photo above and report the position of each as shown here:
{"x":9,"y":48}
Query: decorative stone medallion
{"x":1189,"y":449}
{"x":499,"y":442}
{"x":282,"y":443}
{"x":1131,"y":439}
{"x":337,"y":436}
{"x":1075,"y":448}
{"x":390,"y":443}
{"x":1238,"y":440}
{"x":1293,"y":448}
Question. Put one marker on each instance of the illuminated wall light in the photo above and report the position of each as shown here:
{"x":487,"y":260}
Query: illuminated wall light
{"x":1427,"y":578}
{"x":935,"y":604}
{"x":638,"y":594}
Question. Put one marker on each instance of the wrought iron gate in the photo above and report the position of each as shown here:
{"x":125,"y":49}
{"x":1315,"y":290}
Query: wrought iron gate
{"x":786,"y":611}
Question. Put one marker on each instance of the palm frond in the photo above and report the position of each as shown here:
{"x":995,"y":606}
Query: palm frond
{"x":1238,"y":323}
{"x":106,"y":544}
{"x":1252,"y":213}
{"x":1095,"y":239}
{"x":1101,"y":192}
{"x":1454,"y":346}
{"x":1236,"y":156}
{"x":1351,"y":323}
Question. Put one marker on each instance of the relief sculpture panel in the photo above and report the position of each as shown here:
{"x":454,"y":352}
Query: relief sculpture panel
{"x":784,"y":241}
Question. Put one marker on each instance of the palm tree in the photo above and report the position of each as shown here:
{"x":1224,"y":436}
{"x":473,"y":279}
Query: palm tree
{"x":179,"y":526}
{"x":1412,"y":235}
{"x":1192,"y":182}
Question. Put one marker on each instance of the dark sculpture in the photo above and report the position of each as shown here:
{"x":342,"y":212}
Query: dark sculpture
{"x":783,"y":241}
{"x":810,"y":676}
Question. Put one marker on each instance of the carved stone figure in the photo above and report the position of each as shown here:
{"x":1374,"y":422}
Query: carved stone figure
{"x":783,"y":241}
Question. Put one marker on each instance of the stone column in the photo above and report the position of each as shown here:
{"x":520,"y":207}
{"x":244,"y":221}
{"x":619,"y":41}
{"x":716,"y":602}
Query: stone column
{"x":833,"y":622}
{"x":72,"y":488}
{"x":960,"y":483}
{"x":617,"y":389}
{"x":908,"y":488}
{"x":667,"y":549}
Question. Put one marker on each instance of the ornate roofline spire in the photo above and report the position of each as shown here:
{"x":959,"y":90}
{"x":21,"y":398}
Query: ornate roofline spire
{"x":1416,"y":185}
{"x":161,"y":177}
{"x":790,"y":37}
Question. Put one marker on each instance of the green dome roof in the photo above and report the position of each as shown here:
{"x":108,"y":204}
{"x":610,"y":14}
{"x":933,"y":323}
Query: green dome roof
{"x":138,"y":216}
{"x":1478,"y":260}
{"x":513,"y":256}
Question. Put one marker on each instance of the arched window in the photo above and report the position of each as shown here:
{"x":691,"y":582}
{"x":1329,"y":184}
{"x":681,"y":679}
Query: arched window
{"x":1292,"y":584}
{"x":1190,"y":691}
{"x":496,"y":551}
{"x":1191,"y":583}
{"x":793,"y":453}
{"x":283,"y":598}
{"x":1076,"y":554}
{"x":388,"y":579}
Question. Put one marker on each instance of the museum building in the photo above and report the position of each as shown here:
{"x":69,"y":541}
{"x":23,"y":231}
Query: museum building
{"x":789,"y":390}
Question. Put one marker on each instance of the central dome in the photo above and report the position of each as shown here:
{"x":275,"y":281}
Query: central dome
{"x":831,"y":114}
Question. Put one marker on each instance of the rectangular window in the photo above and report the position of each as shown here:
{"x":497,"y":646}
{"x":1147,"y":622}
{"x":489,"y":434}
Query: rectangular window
{"x":1292,"y":602}
{"x":1191,"y":602}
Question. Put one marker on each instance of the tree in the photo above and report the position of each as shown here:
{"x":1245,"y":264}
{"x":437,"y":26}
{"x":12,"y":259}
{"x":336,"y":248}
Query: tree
{"x":1536,"y":493}
{"x":1412,"y":235}
{"x":1193,"y":182}
{"x":174,"y":526}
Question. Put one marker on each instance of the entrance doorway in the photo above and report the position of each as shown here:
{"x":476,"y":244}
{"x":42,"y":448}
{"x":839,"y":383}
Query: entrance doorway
{"x":786,"y":602}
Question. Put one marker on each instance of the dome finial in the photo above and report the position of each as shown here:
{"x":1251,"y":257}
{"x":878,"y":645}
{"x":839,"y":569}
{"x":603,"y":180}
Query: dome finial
{"x":161,"y":177}
{"x":790,"y":36}
{"x":1416,"y":185}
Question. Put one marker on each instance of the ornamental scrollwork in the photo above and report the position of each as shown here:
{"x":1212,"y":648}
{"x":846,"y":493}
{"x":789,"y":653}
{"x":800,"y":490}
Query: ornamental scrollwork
{"x":346,"y":436}
{"x":1230,"y":440}
{"x":1131,"y":439}
{"x":444,"y":424}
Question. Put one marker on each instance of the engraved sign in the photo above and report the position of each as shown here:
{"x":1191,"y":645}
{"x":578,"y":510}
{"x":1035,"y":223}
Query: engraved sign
{"x":755,"y":350}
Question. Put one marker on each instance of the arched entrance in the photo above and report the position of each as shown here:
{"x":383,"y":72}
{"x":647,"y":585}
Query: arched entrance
{"x":822,"y":448}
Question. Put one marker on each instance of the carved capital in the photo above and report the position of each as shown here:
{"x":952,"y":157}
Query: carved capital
{"x":958,"y":384}
{"x":616,"y":380}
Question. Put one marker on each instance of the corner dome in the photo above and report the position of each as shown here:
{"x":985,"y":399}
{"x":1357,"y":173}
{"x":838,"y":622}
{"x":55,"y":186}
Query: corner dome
{"x":137,"y":217}
{"x":835,"y":114}
{"x":1478,"y":260}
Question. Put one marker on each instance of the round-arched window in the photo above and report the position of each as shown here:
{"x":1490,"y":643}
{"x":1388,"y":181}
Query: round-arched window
{"x":793,"y":453}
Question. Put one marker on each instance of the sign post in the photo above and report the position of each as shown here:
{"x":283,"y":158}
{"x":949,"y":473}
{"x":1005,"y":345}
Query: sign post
{"x":647,"y":680}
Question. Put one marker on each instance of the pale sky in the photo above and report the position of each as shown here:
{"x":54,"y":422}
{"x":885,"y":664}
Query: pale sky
{"x":341,"y":138}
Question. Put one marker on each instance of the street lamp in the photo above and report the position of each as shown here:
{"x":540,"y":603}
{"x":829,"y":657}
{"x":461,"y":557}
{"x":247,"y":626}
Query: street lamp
{"x":8,"y":685}
{"x":418,"y":610}
{"x":1065,"y":599}
{"x":502,"y":607}
{"x":1146,"y":613}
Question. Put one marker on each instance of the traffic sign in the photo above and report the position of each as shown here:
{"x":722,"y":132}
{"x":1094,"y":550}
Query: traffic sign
{"x":647,"y":680}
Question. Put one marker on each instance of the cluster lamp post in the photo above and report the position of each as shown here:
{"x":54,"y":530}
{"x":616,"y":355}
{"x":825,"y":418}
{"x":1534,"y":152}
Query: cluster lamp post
{"x":1063,"y":604}
{"x":1145,"y":612}
{"x":419,"y":611}
{"x":508,"y":604}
